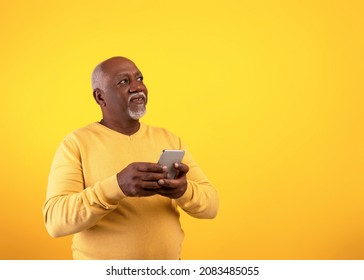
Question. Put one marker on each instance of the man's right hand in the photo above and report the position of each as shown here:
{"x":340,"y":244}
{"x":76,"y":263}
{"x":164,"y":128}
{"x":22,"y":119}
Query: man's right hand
{"x":141,"y":178}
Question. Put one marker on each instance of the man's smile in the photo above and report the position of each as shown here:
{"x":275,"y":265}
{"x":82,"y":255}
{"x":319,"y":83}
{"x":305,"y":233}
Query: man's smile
{"x":137,"y":98}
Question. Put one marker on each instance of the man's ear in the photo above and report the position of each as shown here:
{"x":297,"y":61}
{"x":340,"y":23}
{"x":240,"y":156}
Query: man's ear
{"x":99,"y":97}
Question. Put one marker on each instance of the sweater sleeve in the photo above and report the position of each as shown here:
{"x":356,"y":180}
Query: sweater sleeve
{"x":70,"y":206}
{"x":201,"y":199}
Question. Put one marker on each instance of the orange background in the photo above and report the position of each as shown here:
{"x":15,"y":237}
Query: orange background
{"x":268,"y":96}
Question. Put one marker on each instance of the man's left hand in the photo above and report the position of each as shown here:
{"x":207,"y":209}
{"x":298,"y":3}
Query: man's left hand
{"x":175,"y":188}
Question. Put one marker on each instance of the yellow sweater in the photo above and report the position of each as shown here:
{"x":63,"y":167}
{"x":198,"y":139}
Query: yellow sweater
{"x":84,"y":198}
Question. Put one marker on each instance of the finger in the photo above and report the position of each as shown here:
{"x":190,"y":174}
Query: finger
{"x":164,"y":183}
{"x":152,"y":176}
{"x":172,"y":183}
{"x":139,"y":190}
{"x":151,"y":167}
{"x":150,"y":185}
{"x":181,"y":167}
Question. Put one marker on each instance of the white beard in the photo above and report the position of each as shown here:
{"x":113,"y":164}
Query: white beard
{"x":141,"y":109}
{"x":136,"y":115}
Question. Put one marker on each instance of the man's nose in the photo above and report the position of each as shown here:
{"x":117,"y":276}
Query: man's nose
{"x":135,"y":86}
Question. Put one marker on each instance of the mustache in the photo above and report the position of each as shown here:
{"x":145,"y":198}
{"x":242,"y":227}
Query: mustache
{"x":138,"y":94}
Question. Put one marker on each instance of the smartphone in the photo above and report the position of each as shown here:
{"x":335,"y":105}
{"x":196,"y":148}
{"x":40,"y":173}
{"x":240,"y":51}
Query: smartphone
{"x":168,"y":158}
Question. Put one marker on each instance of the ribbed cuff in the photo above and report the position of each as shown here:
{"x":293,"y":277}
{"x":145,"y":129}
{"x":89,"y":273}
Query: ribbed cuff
{"x":111,"y":190}
{"x":187,"y":196}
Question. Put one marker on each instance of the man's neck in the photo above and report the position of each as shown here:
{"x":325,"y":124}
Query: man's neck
{"x":124,"y":128}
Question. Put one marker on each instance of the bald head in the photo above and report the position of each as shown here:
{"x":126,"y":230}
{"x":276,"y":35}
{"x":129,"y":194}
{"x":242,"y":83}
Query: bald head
{"x":104,"y":69}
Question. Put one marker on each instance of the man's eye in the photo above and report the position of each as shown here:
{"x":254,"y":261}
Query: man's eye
{"x":123,"y":82}
{"x":139,"y":79}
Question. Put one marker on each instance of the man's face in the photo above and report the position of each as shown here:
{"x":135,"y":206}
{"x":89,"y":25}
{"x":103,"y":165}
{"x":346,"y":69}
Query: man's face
{"x":125,"y":93}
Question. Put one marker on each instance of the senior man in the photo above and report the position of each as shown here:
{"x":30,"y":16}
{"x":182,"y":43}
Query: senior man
{"x":105,"y":186}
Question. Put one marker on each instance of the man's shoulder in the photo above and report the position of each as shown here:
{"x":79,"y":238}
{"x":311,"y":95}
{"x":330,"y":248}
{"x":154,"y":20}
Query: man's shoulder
{"x":82,"y":132}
